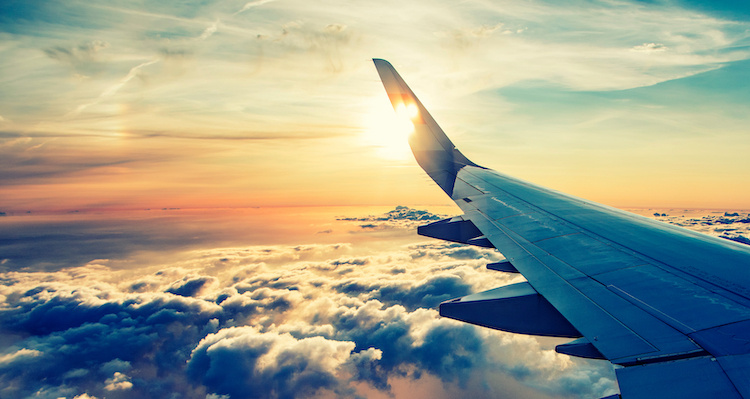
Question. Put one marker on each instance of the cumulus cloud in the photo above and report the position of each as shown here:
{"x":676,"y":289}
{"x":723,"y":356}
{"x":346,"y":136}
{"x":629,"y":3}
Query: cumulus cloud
{"x":273,"y":321}
{"x":399,"y":213}
{"x":191,"y":286}
{"x":118,"y":382}
{"x":242,"y":362}
{"x":284,"y":321}
{"x":400,"y":217}
{"x":734,"y":226}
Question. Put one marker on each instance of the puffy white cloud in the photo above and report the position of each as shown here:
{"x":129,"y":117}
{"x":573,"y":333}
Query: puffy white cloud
{"x":118,"y":382}
{"x":242,"y":362}
{"x":287,"y":321}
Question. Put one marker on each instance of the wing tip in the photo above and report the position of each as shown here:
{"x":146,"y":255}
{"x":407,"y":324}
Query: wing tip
{"x":382,"y":65}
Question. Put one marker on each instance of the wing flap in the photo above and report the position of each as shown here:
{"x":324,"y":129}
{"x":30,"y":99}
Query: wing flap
{"x":503,"y":266}
{"x":738,"y":370}
{"x":580,"y":348}
{"x":515,"y":308}
{"x":696,"y":378}
{"x":455,"y":229}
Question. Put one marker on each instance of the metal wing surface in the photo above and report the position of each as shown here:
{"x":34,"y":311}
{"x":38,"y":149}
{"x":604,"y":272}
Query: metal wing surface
{"x":668,"y":307}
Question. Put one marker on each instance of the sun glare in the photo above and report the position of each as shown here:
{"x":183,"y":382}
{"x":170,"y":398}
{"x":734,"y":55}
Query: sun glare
{"x":388,"y":131}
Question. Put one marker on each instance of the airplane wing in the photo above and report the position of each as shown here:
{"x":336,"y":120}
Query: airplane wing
{"x":668,"y":307}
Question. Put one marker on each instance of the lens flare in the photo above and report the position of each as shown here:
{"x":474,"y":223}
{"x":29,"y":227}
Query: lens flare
{"x":388,"y":131}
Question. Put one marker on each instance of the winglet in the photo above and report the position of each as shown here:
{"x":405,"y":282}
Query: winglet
{"x":433,"y":150}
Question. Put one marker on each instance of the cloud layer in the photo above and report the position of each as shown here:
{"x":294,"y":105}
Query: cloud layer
{"x":272,"y":321}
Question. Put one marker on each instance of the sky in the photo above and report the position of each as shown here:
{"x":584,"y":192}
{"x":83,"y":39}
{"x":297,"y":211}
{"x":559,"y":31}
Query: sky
{"x":145,"y":104}
{"x":214,"y":199}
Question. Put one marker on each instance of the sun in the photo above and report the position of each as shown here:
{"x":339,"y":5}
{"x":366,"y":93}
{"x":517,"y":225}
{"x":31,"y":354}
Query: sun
{"x":387,"y":131}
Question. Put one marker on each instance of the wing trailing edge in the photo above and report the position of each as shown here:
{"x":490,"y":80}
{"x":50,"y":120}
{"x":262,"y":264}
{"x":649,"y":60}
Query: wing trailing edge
{"x":455,"y":229}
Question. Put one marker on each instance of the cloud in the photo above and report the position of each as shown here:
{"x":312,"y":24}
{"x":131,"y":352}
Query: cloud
{"x":400,"y":217}
{"x":331,"y":43}
{"x":650,"y":47}
{"x":25,"y":166}
{"x":399,"y":213}
{"x":217,"y":78}
{"x":252,"y":4}
{"x":118,"y":382}
{"x":18,"y":356}
{"x":112,"y":90}
{"x":209,"y":31}
{"x":734,"y":226}
{"x":737,"y":238}
{"x":283,"y":321}
{"x":191,"y":286}
{"x":468,"y":37}
{"x":242,"y":362}
{"x":83,"y":58}
{"x":422,"y":294}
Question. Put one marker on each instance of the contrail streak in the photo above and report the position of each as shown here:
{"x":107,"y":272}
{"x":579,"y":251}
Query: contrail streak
{"x":112,"y":90}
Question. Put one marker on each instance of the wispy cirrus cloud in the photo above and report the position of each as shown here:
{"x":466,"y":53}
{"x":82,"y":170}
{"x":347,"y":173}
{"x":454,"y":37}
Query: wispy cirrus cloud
{"x":213,"y":28}
{"x":252,"y":4}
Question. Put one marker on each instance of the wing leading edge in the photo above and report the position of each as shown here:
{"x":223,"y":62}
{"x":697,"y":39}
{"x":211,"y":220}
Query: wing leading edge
{"x":670,"y":308}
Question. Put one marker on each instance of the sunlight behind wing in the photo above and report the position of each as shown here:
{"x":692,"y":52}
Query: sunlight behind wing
{"x":387,"y":131}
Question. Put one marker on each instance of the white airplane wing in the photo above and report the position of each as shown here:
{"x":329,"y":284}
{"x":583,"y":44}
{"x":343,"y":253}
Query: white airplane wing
{"x":668,"y":307}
